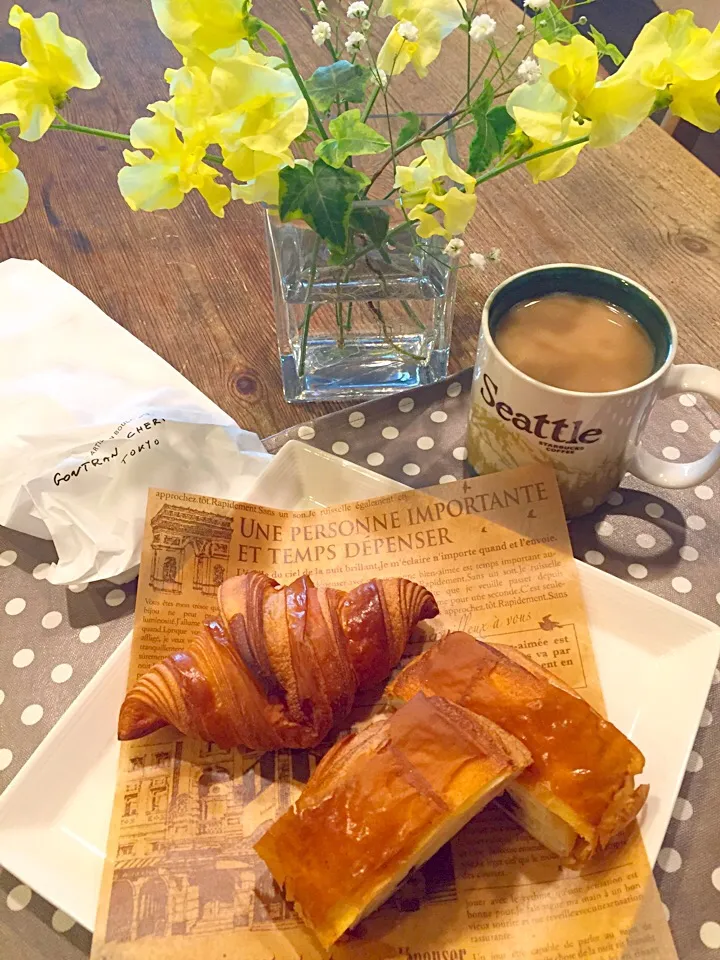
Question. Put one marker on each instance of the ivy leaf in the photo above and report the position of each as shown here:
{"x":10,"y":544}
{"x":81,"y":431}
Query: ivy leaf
{"x":322,"y":196}
{"x":351,"y":138}
{"x":410,"y":129}
{"x":374,"y":222}
{"x":604,"y":48}
{"x":490,"y":139}
{"x":552,"y":24}
{"x":340,"y":81}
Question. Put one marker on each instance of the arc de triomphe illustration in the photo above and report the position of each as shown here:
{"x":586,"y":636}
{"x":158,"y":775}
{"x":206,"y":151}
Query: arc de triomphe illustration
{"x":189,"y":542}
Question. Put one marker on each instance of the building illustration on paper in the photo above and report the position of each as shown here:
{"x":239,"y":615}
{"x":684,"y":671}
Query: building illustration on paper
{"x":190,"y":816}
{"x":192,"y":544}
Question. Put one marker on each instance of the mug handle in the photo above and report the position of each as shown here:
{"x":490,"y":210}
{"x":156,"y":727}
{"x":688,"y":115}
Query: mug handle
{"x":683,"y":378}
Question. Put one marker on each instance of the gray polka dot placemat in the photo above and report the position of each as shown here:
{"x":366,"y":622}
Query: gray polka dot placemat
{"x":664,"y":541}
{"x":53,"y":639}
{"x":52,"y":642}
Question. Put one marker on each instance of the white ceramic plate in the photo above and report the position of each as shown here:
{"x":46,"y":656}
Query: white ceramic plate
{"x":655,"y":659}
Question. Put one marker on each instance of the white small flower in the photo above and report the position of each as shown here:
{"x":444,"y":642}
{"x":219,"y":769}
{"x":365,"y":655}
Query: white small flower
{"x":322,"y":6}
{"x":380,"y":78}
{"x":529,"y":70}
{"x":355,"y":41}
{"x":537,"y":4}
{"x":482,"y":27}
{"x":366,"y":25}
{"x":358,"y":9}
{"x":495,"y":255}
{"x":520,"y":28}
{"x":408,"y":31}
{"x":454,"y":247}
{"x":321,"y":32}
{"x":479,"y":261}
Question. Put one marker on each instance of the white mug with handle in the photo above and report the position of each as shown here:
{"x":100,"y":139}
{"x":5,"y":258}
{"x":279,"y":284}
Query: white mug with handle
{"x":591,"y":439}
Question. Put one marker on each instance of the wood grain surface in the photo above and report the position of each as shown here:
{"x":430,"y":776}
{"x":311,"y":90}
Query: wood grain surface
{"x":196,"y":289}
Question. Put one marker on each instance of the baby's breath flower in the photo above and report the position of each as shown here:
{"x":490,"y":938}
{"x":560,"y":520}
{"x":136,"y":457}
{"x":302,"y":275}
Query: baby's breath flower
{"x":454,"y":247}
{"x":321,"y":32}
{"x":537,"y":4}
{"x":380,"y":78}
{"x":520,"y":28}
{"x":358,"y":9}
{"x":495,"y":255}
{"x":322,"y":6}
{"x":366,"y":25}
{"x":482,"y":27}
{"x":408,"y":31}
{"x":356,"y":41}
{"x":529,"y":70}
{"x":479,"y":261}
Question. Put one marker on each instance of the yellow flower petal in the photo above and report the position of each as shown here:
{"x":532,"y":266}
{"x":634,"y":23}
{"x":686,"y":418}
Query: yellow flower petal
{"x":396,"y":53}
{"x":696,"y":102}
{"x":441,"y":165}
{"x":458,"y":209}
{"x":150,"y":186}
{"x":616,"y":107}
{"x":540,"y":111}
{"x":447,"y":13}
{"x":202,"y":25}
{"x":29,"y":99}
{"x":14,"y":195}
{"x":428,"y":226}
{"x":264,"y":189}
{"x":571,"y":68}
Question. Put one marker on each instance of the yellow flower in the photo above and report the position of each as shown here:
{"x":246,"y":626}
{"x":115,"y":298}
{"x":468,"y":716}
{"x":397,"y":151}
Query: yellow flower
{"x":672,"y":54}
{"x":203,"y":25}
{"x":418,"y":36}
{"x":571,"y":68}
{"x":261,"y":111}
{"x":55,"y":64}
{"x":421,"y":185}
{"x":13,"y":185}
{"x":542,"y":114}
{"x":176,"y":167}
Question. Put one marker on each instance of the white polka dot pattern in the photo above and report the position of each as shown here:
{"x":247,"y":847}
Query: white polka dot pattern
{"x":19,"y":897}
{"x":115,"y":597}
{"x":7,"y":558}
{"x":710,"y":934}
{"x":52,"y":620}
{"x":306,"y":432}
{"x":594,"y":557}
{"x":356,"y":419}
{"x":15,"y":606}
{"x":669,"y":860}
{"x":390,"y":433}
{"x":61,"y":922}
{"x":340,"y":448}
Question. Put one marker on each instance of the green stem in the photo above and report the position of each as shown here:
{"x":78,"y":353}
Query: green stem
{"x":530,"y":156}
{"x":371,"y":102}
{"x":280,"y":40}
{"x":60,"y":124}
{"x":309,"y":308}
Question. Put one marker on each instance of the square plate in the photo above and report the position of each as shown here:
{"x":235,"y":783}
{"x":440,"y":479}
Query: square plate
{"x":655,"y":659}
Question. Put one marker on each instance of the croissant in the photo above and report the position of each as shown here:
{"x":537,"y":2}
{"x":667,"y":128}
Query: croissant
{"x":279,"y":666}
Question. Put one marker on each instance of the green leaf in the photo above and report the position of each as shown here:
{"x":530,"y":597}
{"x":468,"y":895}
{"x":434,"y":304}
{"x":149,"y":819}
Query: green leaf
{"x":552,"y":24}
{"x":350,"y":138}
{"x":410,"y":129}
{"x":339,"y":81}
{"x":604,"y":48}
{"x":493,"y":124}
{"x":322,"y":196}
{"x":374,"y":222}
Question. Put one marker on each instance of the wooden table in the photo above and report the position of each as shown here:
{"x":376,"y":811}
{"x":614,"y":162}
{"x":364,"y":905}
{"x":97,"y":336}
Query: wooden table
{"x":196,"y":289}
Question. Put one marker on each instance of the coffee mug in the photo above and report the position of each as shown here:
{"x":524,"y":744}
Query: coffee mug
{"x":591,"y":439}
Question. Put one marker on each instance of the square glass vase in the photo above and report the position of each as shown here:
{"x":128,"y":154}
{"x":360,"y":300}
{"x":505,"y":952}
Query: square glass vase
{"x":379,"y":322}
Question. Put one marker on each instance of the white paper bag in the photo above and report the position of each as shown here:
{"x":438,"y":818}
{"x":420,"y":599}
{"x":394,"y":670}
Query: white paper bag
{"x":90,"y":418}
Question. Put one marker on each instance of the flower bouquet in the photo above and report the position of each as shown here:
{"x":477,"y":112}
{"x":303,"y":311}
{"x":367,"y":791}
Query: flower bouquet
{"x":366,"y":207}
